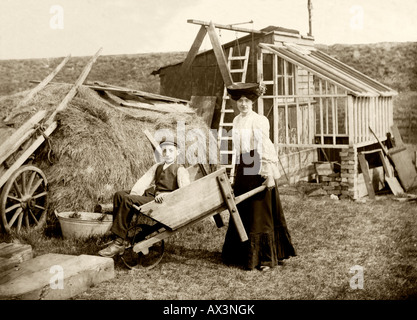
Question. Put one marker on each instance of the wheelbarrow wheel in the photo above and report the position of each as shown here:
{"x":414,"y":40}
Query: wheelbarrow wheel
{"x":24,"y":200}
{"x":140,"y":260}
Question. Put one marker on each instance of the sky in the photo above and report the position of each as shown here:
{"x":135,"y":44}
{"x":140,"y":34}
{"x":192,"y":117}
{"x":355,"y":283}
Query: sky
{"x":56,"y":28}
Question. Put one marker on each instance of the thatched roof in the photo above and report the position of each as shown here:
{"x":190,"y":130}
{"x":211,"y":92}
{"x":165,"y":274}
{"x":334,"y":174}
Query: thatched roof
{"x":98,"y":147}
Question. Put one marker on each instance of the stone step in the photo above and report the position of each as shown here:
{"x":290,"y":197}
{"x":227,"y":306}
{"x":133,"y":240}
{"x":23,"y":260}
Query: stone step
{"x":54,"y":277}
{"x":13,"y":254}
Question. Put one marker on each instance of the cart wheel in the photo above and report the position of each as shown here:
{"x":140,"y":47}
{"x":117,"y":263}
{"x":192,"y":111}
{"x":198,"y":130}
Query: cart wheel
{"x":139,"y":260}
{"x":24,"y":199}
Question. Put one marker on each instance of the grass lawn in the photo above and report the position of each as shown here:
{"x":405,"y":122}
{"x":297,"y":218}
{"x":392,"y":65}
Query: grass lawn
{"x":330,"y":237}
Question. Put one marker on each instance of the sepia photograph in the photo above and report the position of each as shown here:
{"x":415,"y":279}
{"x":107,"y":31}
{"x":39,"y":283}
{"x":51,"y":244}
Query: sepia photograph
{"x":208,"y":157}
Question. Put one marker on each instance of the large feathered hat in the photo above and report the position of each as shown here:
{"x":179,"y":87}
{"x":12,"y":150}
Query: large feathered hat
{"x":251,"y":91}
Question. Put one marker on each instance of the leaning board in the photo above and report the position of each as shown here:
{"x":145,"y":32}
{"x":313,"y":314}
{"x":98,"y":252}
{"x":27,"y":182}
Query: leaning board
{"x":407,"y":173}
{"x":188,"y":203}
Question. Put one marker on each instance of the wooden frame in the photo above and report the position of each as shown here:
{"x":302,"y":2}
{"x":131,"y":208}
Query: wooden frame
{"x":333,"y":117}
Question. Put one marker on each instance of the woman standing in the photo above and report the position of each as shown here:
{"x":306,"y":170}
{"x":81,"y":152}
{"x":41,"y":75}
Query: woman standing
{"x":257,"y":163}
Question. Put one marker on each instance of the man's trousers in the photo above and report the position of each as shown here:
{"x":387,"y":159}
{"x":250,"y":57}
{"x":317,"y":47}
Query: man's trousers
{"x":122,"y":210}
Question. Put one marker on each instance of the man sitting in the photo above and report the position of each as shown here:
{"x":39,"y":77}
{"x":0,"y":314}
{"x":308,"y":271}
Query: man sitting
{"x":167,"y":176}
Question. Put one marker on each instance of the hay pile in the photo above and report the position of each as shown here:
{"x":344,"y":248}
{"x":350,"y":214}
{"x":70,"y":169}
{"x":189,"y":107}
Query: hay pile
{"x":97,"y":149}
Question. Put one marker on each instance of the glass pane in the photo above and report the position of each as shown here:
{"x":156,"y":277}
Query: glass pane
{"x":289,"y":68}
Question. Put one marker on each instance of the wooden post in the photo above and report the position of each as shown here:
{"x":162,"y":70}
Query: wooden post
{"x":350,"y":114}
{"x":334,"y":118}
{"x":221,"y":59}
{"x":275,"y":102}
{"x":310,"y":27}
{"x":226,"y":27}
{"x":259,"y":77}
{"x":362,"y":110}
{"x":186,"y":65}
{"x":71,"y":94}
{"x":285,"y":87}
{"x":299,"y":113}
{"x":365,"y":171}
{"x":231,"y":205}
{"x":327,"y":107}
{"x":321,"y":113}
{"x":346,"y":116}
{"x":38,"y":88}
{"x":193,"y":50}
{"x":367,"y":103}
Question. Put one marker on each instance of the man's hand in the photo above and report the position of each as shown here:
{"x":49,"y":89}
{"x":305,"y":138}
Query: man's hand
{"x":160,"y":198}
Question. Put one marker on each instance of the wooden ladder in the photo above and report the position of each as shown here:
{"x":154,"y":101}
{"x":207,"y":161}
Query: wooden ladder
{"x":227,"y":113}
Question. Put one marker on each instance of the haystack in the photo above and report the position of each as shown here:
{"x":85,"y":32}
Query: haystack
{"x":99,"y":147}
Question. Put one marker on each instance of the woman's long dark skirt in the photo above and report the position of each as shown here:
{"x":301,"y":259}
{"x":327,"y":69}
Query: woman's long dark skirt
{"x":264,"y":222}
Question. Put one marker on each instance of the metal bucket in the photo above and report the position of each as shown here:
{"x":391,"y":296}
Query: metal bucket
{"x":84,"y":224}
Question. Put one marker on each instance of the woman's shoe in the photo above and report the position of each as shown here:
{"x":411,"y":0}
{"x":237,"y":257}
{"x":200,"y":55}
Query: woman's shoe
{"x":264,"y":268}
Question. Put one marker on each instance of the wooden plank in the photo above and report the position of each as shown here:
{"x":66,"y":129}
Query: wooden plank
{"x":365,"y":170}
{"x":407,"y":173}
{"x":178,"y":209}
{"x":391,"y":180}
{"x":71,"y":94}
{"x":152,"y":140}
{"x":160,"y":108}
{"x":181,"y":76}
{"x":384,"y":149}
{"x":219,"y":54}
{"x":397,"y":136}
{"x":100,"y":86}
{"x":193,"y":50}
{"x":394,"y":185}
{"x":36,"y":89}
{"x":12,"y":254}
{"x":225,"y":27}
{"x":205,"y":106}
{"x":55,"y":277}
{"x":18,"y":137}
{"x":377,"y":179}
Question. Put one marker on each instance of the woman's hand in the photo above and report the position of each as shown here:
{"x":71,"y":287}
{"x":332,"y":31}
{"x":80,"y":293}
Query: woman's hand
{"x":269,"y":182}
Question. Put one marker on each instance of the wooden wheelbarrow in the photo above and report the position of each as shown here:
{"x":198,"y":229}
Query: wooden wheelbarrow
{"x":204,"y":197}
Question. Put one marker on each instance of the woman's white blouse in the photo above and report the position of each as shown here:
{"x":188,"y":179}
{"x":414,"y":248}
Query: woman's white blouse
{"x":252,"y":132}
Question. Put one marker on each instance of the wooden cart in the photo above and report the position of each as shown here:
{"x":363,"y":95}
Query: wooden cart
{"x":205,"y":197}
{"x":24,"y":187}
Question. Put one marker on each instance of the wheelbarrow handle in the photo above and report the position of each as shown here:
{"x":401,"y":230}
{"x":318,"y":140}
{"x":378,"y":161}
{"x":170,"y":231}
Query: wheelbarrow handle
{"x":249,"y":194}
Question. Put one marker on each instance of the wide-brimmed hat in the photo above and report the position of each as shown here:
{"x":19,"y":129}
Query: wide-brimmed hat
{"x":251,"y":91}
